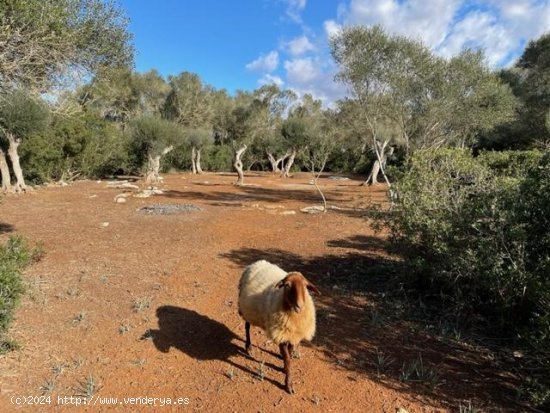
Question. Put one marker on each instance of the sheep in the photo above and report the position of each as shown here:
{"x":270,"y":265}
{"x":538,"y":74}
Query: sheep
{"x":279,"y":303}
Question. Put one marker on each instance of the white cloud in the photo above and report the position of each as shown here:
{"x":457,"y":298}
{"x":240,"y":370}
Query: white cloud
{"x":314,"y":76}
{"x":300,"y":45}
{"x":479,"y":30}
{"x":268,"y":79}
{"x":294,"y":9}
{"x":301,"y":71}
{"x":421,"y":19}
{"x":331,"y":28}
{"x":500,"y":27}
{"x":265,"y":63}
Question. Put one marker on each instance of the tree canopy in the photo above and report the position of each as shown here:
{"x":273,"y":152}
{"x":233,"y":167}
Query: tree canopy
{"x":46,"y":42}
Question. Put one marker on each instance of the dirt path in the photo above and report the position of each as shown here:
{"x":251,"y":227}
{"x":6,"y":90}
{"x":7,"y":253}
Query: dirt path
{"x":146,"y":305}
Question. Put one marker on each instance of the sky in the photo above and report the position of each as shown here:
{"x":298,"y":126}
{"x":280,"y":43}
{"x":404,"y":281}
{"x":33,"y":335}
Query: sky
{"x":243,"y":44}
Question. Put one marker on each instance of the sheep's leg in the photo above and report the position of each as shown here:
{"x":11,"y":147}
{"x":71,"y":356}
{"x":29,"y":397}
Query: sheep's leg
{"x":285,"y":352}
{"x":248,"y":343}
{"x":290,"y":350}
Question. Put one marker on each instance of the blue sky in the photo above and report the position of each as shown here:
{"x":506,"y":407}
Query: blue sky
{"x":242,"y":44}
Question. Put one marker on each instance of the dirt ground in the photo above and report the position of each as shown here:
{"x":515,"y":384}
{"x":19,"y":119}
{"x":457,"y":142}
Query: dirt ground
{"x":126,"y":304}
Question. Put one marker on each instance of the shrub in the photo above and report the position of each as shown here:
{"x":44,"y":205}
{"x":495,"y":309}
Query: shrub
{"x":475,"y":233}
{"x":218,"y":158}
{"x":14,"y":256}
{"x":75,"y":146}
{"x":510,"y":163}
{"x":466,"y":228}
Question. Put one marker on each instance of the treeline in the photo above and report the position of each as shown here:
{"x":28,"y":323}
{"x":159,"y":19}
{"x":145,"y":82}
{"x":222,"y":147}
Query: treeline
{"x":402,"y":98}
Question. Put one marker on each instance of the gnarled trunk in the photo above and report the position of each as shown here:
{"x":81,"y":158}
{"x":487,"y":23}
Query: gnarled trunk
{"x":153,"y":166}
{"x":20,"y":185}
{"x":379,"y":163}
{"x":5,"y":173}
{"x":288,"y":165}
{"x":273,"y":162}
{"x":282,"y":159}
{"x":238,"y":164}
{"x":196,"y":160}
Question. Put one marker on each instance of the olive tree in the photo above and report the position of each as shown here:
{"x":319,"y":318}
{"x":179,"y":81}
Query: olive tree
{"x":322,"y":136}
{"x":296,"y":130}
{"x":20,"y":116}
{"x":398,"y":84}
{"x":269,"y":106}
{"x":198,"y":139}
{"x":240,"y":133}
{"x":119,"y":94}
{"x":152,"y":138}
{"x":46,"y":42}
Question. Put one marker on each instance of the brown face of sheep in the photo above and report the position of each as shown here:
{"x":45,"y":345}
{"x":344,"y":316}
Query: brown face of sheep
{"x":295,"y":285}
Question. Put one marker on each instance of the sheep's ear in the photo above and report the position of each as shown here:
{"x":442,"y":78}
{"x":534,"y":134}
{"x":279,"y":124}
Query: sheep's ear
{"x":281,"y":283}
{"x":313,"y":289}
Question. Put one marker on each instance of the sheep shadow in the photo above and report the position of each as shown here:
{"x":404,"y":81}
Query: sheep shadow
{"x":201,"y":338}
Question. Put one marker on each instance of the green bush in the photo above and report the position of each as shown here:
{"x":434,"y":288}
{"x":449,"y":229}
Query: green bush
{"x":467,"y":231}
{"x":513,"y":164}
{"x":14,"y":256}
{"x":218,"y":158}
{"x":533,"y":211}
{"x":475,"y":234}
{"x":85,"y":146}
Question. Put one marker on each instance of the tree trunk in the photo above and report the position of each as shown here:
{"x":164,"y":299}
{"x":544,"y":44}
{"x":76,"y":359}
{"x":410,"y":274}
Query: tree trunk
{"x":153,"y":166}
{"x":20,"y":185}
{"x":373,"y":175}
{"x":274,"y":163}
{"x":289,"y":163}
{"x":379,"y":164}
{"x":198,"y":161}
{"x":194,"y":160}
{"x":238,"y":164}
{"x":315,"y":178}
{"x":5,"y":172}
{"x":282,"y":159}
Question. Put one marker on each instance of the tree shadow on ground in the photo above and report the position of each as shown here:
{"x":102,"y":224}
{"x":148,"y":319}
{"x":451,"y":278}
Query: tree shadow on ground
{"x":5,"y":228}
{"x":201,"y":338}
{"x":359,"y":242}
{"x":343,"y":199}
{"x":362,"y":328}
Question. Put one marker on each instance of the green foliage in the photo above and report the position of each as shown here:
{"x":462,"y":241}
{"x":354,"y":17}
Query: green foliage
{"x":188,"y":102}
{"x":474,"y":232}
{"x":199,"y":137}
{"x":530,"y":82}
{"x":218,"y":158}
{"x":297,"y":132}
{"x":514,"y":164}
{"x":14,"y":256}
{"x":75,"y":146}
{"x":22,"y":115}
{"x":477,"y":234}
{"x":42,"y":39}
{"x":403,"y":90}
{"x":151,"y":135}
{"x":534,"y":215}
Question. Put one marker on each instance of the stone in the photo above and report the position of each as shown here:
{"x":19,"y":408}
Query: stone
{"x":315,"y":209}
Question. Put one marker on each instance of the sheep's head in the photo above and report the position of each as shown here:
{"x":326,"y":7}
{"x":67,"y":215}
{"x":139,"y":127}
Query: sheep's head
{"x":295,"y":286}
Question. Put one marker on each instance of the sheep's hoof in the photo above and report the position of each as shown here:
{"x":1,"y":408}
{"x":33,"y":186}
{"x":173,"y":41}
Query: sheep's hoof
{"x":289,"y":389}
